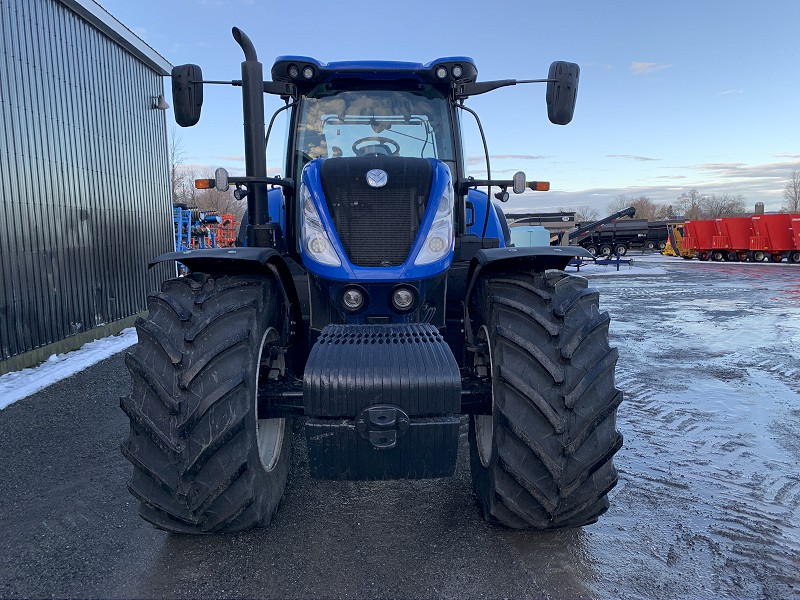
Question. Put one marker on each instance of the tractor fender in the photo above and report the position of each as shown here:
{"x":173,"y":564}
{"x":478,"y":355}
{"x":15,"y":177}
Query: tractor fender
{"x":532,"y":258}
{"x":246,"y":261}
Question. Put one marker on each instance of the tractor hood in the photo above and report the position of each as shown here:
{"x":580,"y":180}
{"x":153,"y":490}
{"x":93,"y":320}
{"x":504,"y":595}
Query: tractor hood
{"x":376,"y":218}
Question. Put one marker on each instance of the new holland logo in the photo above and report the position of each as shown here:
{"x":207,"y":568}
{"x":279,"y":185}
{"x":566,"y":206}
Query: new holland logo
{"x":377,"y":178}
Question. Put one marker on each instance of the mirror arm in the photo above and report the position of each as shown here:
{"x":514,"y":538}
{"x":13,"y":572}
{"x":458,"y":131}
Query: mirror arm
{"x":284,"y":183}
{"x":281,"y":89}
{"x":465,"y":184}
{"x":270,"y":87}
{"x":464,"y":90}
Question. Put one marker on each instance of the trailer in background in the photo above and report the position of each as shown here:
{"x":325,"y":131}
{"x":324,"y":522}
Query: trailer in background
{"x":699,"y":237}
{"x":755,"y":238}
{"x":732,"y":239}
{"x":774,"y":236}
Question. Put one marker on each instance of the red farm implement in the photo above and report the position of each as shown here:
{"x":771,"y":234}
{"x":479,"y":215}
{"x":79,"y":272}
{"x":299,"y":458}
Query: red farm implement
{"x":775,"y":236}
{"x":732,"y":239}
{"x":699,"y":237}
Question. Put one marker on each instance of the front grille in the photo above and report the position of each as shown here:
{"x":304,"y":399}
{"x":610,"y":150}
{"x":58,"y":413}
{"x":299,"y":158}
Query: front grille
{"x":377,"y":226}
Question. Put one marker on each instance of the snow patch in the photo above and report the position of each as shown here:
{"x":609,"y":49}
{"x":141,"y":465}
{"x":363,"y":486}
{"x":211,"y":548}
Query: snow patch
{"x":21,"y":384}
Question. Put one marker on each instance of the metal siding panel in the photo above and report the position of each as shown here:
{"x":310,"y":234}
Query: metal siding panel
{"x":21,"y":212}
{"x":90,"y":204}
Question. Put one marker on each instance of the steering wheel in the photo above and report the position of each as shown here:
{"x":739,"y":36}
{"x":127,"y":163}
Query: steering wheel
{"x":386,"y":145}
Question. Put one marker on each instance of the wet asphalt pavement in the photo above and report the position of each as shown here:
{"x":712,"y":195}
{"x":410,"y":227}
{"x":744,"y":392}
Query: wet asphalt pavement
{"x":708,"y":503}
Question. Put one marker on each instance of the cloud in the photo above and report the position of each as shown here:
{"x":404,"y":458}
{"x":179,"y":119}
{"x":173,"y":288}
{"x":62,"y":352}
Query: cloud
{"x":631,"y":157}
{"x":732,"y":91}
{"x":235,"y":158}
{"x":479,"y":160}
{"x":645,"y":68}
{"x":776,"y":170}
{"x":757,"y":183}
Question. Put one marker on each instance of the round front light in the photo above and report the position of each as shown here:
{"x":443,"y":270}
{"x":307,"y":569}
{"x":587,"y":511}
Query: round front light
{"x":436,"y":244}
{"x":441,"y":72}
{"x":402,"y":298}
{"x":293,"y":71}
{"x":352,"y":299}
{"x":458,"y":71}
{"x":308,"y":72}
{"x":318,"y":245}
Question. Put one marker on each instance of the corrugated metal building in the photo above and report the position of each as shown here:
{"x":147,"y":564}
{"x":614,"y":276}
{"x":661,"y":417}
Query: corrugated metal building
{"x":84,"y":176}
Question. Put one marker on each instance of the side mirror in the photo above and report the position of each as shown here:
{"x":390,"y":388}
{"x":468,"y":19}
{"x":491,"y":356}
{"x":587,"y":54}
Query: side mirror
{"x":187,"y":94}
{"x":562,"y":90}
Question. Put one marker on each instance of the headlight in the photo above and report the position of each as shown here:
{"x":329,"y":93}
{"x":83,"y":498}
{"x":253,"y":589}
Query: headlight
{"x":439,"y":240}
{"x":403,"y":298}
{"x":315,"y":239}
{"x":353,"y":299}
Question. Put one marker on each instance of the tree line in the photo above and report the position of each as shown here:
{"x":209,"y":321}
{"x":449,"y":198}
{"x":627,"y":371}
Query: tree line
{"x":182,"y":177}
{"x":693,"y":205}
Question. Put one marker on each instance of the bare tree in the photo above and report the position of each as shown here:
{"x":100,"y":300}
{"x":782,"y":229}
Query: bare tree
{"x":690,"y":205}
{"x":645,"y":207}
{"x":220,"y":202}
{"x":791,"y":194}
{"x":723,"y":205}
{"x":586,"y":214}
{"x":180,"y":177}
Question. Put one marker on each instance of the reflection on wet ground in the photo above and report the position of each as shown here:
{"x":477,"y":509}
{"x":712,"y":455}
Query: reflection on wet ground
{"x":709,"y":498}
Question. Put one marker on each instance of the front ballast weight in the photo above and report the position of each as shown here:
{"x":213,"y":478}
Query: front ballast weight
{"x":404,"y":386}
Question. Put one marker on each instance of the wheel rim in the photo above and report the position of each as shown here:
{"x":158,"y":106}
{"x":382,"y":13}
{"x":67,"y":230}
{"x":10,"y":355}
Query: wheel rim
{"x":269,"y":432}
{"x":484,"y":424}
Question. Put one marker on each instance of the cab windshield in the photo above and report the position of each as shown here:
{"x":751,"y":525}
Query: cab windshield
{"x":334,"y":123}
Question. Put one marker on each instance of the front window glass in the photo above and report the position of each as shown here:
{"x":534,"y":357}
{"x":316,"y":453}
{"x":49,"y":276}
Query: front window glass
{"x":360,"y":122}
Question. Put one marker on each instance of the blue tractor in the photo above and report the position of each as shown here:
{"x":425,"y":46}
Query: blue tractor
{"x":374,"y":302}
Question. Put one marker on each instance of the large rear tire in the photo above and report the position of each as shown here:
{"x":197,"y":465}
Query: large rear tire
{"x":203,"y":461}
{"x":543,"y":458}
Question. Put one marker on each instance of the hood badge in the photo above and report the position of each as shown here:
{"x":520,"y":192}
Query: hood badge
{"x":377,"y":178}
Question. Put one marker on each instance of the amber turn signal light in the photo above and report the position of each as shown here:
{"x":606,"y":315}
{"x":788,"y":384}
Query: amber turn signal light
{"x":539,"y":186}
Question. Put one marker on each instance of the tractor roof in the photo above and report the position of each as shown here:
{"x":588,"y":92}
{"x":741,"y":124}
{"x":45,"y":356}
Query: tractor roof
{"x":308,"y":72}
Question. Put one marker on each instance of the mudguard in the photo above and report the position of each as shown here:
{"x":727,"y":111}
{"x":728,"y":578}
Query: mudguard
{"x":532,"y":258}
{"x":246,"y":261}
{"x":216,"y":260}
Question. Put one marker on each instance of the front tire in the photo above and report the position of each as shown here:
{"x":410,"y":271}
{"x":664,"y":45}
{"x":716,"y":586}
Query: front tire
{"x":543,"y":458}
{"x":203,"y":461}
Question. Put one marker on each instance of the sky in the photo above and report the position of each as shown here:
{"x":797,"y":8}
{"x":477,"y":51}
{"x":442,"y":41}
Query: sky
{"x":673,"y":96}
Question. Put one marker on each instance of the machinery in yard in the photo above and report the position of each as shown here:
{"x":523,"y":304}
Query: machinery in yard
{"x":611,"y":240}
{"x":377,"y":300}
{"x":676,"y":245}
{"x":757,"y":238}
{"x":775,"y":236}
{"x":194,"y":228}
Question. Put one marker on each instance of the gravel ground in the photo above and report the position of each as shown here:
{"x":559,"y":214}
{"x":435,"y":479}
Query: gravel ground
{"x":708,"y":503}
